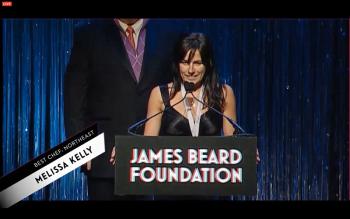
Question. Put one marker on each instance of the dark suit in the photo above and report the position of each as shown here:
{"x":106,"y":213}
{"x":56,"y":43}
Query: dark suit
{"x":100,"y":86}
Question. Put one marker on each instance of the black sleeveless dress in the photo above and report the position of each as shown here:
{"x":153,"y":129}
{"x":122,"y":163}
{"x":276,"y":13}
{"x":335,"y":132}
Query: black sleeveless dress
{"x":175,"y":124}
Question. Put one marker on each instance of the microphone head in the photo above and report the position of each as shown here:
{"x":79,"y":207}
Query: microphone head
{"x":189,"y":86}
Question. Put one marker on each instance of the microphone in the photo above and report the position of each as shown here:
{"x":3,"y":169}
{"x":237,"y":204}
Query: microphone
{"x":233,"y":123}
{"x":189,"y":87}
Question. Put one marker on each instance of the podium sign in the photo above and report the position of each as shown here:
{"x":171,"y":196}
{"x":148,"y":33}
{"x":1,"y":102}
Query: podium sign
{"x":185,"y":165}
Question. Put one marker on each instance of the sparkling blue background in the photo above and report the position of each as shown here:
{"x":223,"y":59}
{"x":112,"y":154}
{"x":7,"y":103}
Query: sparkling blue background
{"x":290,"y":78}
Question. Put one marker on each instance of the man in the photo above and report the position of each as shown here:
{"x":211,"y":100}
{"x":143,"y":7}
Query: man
{"x":113,"y":66}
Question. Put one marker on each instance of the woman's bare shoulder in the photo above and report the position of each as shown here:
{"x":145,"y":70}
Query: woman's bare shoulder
{"x":155,"y":92}
{"x":227,"y":89}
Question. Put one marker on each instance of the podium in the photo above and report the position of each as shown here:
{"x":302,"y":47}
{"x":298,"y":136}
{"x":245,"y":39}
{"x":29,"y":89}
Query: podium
{"x":171,"y":165}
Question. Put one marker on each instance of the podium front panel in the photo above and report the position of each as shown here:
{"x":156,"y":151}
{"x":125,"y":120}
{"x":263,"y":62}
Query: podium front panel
{"x":185,"y":165}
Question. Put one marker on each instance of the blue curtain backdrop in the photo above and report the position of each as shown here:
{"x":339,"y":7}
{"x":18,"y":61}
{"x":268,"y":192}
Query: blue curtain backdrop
{"x":290,"y":78}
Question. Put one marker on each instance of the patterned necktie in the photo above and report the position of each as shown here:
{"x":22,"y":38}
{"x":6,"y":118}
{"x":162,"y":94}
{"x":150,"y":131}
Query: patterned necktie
{"x":130,"y":34}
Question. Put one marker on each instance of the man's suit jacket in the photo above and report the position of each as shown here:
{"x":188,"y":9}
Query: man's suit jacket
{"x":100,"y":86}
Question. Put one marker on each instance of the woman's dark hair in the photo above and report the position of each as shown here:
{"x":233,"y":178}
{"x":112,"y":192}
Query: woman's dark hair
{"x":213,"y":94}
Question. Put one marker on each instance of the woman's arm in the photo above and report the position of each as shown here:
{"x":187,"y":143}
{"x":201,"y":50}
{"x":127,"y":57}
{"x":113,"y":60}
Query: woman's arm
{"x":229,"y":110}
{"x":155,"y":105}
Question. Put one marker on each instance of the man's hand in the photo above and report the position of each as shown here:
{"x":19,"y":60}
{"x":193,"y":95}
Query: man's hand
{"x":87,"y":166}
{"x":257,"y":156}
{"x":112,"y":159}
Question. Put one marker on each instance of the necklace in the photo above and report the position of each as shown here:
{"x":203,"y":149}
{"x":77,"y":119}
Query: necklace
{"x":190,"y":103}
{"x":193,"y":120}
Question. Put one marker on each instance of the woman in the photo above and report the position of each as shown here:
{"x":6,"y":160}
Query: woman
{"x":193,"y":62}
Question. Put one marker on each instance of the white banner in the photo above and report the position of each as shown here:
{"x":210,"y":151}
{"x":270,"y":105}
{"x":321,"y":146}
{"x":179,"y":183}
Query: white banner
{"x":52,"y":171}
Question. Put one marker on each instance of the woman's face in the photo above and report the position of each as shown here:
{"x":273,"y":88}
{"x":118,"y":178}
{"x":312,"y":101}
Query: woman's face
{"x":192,"y":70}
